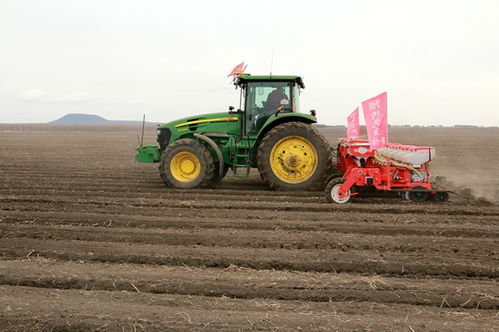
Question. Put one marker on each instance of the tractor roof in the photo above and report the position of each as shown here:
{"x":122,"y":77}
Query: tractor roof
{"x":243,"y":78}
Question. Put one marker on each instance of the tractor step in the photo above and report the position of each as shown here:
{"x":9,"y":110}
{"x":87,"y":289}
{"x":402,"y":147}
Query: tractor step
{"x":241,"y":171}
{"x":241,"y":160}
{"x":242,"y":164}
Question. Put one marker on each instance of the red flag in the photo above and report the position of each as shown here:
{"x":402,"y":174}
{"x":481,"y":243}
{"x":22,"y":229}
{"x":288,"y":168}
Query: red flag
{"x":353,"y":129}
{"x":375,"y":115}
{"x":239,"y":69}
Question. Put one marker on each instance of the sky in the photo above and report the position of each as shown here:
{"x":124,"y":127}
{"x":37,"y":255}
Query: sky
{"x":438,"y":60}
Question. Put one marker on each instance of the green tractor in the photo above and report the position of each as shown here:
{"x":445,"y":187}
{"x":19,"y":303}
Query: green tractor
{"x":267,"y":132}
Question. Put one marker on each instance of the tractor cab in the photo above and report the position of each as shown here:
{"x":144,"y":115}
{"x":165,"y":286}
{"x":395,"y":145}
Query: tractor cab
{"x":267,"y":96}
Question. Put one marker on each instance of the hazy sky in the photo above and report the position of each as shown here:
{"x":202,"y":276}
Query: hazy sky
{"x":438,"y":60}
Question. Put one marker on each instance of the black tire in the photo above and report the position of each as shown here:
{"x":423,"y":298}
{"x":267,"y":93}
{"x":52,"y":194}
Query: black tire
{"x":316,"y":178}
{"x":216,"y":174}
{"x":418,"y":196}
{"x":440,"y":196}
{"x":332,"y":188}
{"x":206,"y":167}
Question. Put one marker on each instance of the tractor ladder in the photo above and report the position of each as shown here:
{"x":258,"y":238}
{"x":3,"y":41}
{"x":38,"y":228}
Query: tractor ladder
{"x":242,"y":162}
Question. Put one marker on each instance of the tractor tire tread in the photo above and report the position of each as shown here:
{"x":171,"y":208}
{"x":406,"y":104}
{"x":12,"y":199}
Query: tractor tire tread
{"x":200,"y":151}
{"x":317,"y":180}
{"x":216,"y":179}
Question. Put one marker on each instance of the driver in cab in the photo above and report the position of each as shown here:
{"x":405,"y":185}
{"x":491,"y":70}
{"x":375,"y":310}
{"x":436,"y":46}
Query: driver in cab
{"x":275,"y":99}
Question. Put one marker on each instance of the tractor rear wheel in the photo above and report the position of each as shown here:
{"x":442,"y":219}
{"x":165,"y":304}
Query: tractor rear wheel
{"x":186,"y":164}
{"x":294,"y":156}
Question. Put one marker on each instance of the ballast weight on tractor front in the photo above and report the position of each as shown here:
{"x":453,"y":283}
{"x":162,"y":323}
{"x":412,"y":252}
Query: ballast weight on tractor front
{"x":397,"y":167}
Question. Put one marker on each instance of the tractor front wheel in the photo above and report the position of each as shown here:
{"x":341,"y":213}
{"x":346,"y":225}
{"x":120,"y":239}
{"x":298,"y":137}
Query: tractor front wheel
{"x":186,"y":164}
{"x":217,"y":178}
{"x":294,"y":156}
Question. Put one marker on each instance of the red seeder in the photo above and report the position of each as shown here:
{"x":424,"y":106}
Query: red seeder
{"x":397,"y":167}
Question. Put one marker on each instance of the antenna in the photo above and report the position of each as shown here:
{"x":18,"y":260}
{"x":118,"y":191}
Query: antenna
{"x":143,"y":124}
{"x":271,"y":62}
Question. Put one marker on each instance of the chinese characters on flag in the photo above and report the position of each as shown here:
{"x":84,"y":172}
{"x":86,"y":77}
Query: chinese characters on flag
{"x":353,"y":129}
{"x":376,"y":121}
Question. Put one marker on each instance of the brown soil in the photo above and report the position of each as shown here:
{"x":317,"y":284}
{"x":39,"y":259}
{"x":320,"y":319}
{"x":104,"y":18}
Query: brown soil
{"x":91,"y":240}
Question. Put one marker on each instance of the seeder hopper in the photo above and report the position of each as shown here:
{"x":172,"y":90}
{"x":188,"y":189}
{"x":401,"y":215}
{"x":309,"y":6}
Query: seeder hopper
{"x":396,"y":167}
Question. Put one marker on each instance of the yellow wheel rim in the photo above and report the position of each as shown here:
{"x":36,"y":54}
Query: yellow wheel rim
{"x":293,"y":159}
{"x":185,"y":167}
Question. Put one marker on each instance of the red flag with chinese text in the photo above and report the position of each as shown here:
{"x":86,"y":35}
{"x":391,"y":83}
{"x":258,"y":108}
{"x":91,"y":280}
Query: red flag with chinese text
{"x":375,"y":114}
{"x":353,"y":129}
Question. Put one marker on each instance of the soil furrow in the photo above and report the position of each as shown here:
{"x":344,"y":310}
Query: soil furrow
{"x":342,"y":222}
{"x":443,"y":265}
{"x":461,"y":247}
{"x":245,"y":216}
{"x":119,"y":193}
{"x":264,"y":206}
{"x":113,"y":311}
{"x":237,"y":282}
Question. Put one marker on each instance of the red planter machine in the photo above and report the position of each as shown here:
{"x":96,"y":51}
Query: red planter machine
{"x":397,"y":167}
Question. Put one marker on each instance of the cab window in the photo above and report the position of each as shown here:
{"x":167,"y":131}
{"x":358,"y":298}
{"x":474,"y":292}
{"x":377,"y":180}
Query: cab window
{"x":264,"y":99}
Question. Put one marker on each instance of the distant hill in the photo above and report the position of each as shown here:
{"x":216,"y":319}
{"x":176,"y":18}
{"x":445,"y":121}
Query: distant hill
{"x":79,"y":119}
{"x":92,"y":120}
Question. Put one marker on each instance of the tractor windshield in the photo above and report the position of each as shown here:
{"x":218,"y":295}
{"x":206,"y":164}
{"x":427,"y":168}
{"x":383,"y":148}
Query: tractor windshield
{"x":266,"y":98}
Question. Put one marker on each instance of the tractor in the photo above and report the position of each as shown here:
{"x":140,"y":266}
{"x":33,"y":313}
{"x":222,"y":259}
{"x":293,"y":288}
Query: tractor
{"x":266,"y":132}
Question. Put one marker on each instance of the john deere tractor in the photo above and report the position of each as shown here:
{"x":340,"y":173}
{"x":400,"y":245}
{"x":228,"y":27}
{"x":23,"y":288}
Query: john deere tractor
{"x":267,"y":132}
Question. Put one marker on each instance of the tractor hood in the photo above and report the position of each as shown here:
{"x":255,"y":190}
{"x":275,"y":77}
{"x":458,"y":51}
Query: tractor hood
{"x":223,"y":123}
{"x":202,"y":119}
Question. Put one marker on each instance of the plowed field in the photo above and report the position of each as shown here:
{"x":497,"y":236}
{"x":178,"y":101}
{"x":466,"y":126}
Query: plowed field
{"x":91,"y":240}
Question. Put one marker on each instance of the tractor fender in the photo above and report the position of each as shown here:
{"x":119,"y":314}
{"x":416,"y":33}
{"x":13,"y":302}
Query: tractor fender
{"x":216,"y":148}
{"x":279,"y":118}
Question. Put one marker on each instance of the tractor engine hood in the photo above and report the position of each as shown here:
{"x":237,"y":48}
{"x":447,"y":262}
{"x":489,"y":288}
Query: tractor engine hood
{"x":222,"y":122}
{"x":200,"y":121}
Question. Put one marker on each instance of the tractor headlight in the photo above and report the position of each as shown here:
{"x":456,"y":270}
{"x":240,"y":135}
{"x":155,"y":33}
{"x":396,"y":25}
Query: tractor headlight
{"x":158,"y":131}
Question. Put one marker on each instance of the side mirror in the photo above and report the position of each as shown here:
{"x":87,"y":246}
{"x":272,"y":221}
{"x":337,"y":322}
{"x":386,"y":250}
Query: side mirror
{"x":231,"y":108}
{"x":312,"y":112}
